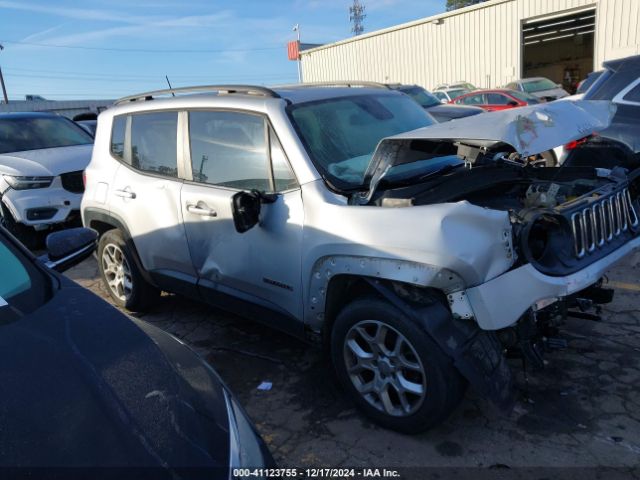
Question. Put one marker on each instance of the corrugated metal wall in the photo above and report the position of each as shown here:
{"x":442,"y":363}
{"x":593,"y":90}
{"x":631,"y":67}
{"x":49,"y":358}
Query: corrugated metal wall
{"x":480,"y":44}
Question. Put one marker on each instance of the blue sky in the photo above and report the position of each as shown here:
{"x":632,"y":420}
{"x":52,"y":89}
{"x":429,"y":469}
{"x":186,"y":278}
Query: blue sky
{"x":244,"y":41}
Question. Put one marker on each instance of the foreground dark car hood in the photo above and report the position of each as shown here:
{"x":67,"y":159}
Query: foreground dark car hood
{"x":444,"y":112}
{"x":83,"y":385}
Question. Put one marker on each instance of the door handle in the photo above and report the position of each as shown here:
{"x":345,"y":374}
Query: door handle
{"x":201,"y":209}
{"x":124,"y":193}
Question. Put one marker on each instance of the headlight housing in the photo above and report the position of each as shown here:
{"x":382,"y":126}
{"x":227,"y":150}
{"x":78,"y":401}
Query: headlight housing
{"x":546,"y":241}
{"x":246,"y":449}
{"x":27,"y":183}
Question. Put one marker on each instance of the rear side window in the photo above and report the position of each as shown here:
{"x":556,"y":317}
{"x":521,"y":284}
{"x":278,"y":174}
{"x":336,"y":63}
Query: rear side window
{"x":473,"y":100}
{"x":154,"y":143}
{"x":229,"y":149}
{"x":117,"y":136}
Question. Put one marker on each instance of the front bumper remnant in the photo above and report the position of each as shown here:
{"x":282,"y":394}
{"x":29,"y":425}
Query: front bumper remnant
{"x":500,"y":302}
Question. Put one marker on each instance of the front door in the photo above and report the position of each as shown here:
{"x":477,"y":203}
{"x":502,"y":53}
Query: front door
{"x":231,"y":152}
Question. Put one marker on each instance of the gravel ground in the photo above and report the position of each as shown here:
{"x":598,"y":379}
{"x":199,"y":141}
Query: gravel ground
{"x":583,"y":410}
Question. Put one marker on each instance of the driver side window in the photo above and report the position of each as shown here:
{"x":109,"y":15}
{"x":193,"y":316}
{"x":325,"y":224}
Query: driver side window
{"x":235,"y":150}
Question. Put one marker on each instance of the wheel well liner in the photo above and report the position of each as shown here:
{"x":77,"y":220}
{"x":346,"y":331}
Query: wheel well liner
{"x":476,"y":353}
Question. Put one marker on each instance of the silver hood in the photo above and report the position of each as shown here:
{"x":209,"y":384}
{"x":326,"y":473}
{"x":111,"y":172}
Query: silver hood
{"x":529,"y":130}
{"x":47,"y":161}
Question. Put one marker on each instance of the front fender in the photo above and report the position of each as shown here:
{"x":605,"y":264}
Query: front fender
{"x":403,"y":271}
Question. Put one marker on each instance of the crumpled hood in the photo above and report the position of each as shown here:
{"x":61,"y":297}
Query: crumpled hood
{"x":529,"y":130}
{"x":47,"y":161}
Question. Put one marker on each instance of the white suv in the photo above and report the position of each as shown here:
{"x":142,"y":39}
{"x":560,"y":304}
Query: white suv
{"x":42,"y":157}
{"x":408,"y":255}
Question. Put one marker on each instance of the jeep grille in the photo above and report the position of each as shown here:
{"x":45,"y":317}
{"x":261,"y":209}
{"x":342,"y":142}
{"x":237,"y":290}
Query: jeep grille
{"x":602,"y":222}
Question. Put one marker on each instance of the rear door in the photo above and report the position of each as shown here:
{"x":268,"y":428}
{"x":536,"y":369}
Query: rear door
{"x":229,"y":152}
{"x":146,"y":195}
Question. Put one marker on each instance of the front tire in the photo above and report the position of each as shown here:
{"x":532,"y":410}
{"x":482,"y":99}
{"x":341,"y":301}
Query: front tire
{"x":391,"y":368}
{"x":120,"y":274}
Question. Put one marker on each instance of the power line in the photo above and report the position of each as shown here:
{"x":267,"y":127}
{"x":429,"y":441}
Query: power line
{"x":126,"y":79}
{"x":144,"y":50}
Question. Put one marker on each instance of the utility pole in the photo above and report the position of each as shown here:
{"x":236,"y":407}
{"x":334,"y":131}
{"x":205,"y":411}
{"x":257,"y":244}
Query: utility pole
{"x":357,"y":16}
{"x":296,"y":28}
{"x":4,"y":89}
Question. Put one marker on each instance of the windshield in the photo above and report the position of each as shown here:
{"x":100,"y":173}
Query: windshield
{"x":341,"y":134}
{"x":420,"y":95}
{"x":20,"y":134}
{"x":23,"y":287}
{"x":538,"y":85}
{"x":525,"y":97}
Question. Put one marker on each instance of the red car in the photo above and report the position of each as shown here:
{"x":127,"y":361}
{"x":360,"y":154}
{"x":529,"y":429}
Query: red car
{"x":499,"y":99}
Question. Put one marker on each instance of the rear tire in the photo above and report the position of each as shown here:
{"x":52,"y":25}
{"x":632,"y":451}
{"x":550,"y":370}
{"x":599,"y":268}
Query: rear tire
{"x":120,"y":274}
{"x":393,"y":370}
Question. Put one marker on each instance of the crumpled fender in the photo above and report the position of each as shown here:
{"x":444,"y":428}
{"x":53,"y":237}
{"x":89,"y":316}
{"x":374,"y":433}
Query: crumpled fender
{"x":477,"y":354}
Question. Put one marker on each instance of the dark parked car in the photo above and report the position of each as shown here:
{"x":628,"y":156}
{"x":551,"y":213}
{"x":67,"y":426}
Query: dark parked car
{"x":85,"y":386}
{"x":441,"y":112}
{"x":620,"y":84}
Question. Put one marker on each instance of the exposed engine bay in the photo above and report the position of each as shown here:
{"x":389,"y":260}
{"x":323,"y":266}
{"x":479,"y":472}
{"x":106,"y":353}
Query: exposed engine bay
{"x":562,"y":217}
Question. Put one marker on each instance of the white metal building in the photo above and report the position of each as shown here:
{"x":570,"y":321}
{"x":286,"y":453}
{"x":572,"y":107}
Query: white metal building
{"x":489,"y":44}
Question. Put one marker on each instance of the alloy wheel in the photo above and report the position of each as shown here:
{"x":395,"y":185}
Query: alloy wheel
{"x":117,"y":272}
{"x":384,"y":368}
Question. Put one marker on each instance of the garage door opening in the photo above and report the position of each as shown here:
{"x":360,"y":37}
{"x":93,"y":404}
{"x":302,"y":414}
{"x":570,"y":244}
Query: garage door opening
{"x":559,"y":48}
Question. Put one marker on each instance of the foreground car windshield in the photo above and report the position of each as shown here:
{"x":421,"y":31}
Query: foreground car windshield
{"x":34,"y":133}
{"x":23,"y":288}
{"x":539,"y":85}
{"x":421,"y":96}
{"x":341,"y":134}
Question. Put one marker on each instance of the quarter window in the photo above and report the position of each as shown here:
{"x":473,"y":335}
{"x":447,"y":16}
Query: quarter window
{"x":154,"y":143}
{"x":117,"y":136}
{"x":283,"y":177}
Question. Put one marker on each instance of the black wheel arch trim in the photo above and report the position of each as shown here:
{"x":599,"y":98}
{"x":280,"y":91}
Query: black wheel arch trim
{"x":476,"y":353}
{"x":93,"y":214}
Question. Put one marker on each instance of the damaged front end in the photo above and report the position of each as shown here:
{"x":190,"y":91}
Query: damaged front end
{"x":569,"y":223}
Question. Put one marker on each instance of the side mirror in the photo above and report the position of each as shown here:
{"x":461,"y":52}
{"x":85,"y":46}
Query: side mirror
{"x":67,"y":248}
{"x":246,"y":208}
{"x":512,"y":103}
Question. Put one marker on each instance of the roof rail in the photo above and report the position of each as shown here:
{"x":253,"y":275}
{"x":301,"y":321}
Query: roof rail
{"x":335,"y":84}
{"x":224,"y":89}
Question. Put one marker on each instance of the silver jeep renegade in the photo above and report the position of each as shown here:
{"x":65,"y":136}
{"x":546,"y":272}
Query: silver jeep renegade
{"x":419,"y":259}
